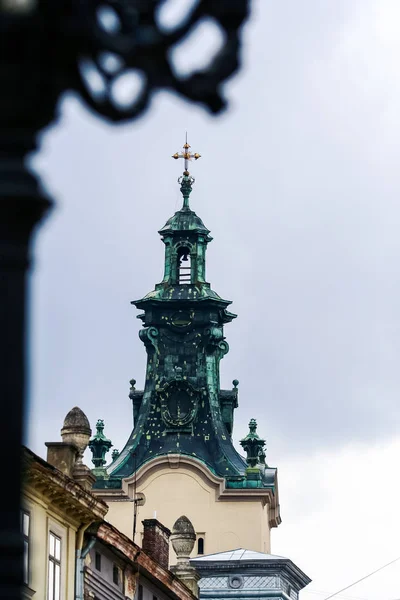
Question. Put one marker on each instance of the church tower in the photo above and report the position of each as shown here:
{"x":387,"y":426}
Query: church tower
{"x":179,"y":458}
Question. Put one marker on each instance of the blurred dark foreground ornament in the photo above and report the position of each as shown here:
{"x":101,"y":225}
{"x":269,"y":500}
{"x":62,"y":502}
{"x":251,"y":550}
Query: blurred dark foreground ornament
{"x":90,"y":47}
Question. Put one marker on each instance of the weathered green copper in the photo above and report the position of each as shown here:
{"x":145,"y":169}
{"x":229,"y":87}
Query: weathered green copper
{"x":253,"y":445}
{"x":99,"y":445}
{"x":186,"y":188}
{"x":182,"y":408}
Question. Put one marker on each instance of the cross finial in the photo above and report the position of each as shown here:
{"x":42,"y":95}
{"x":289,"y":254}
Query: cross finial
{"x":186,"y":155}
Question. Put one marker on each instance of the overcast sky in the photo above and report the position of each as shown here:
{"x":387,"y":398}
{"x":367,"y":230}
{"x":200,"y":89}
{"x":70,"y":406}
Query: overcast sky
{"x":299,"y":183}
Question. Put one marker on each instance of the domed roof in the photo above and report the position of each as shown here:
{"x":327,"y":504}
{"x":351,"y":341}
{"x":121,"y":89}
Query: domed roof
{"x":184,"y":220}
{"x":76,"y":419}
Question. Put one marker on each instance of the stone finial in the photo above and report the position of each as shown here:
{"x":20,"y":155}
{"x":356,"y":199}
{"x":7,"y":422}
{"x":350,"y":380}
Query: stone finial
{"x":76,"y":430}
{"x":253,"y":445}
{"x":183,"y":538}
{"x":99,"y":445}
{"x":67,"y":455}
{"x":235,"y":383}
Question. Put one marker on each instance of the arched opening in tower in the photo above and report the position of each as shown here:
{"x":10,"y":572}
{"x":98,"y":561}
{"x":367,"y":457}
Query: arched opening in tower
{"x":184,"y":266}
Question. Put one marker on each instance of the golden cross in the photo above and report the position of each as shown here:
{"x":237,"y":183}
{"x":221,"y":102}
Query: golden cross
{"x":186,"y":155}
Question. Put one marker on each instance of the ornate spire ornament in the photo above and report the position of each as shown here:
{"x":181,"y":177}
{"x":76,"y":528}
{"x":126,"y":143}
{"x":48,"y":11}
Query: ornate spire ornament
{"x":99,"y":445}
{"x":182,"y":410}
{"x":186,"y":180}
{"x":253,"y":445}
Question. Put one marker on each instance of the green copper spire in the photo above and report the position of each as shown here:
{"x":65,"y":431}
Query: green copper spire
{"x":99,"y":445}
{"x":182,"y":408}
{"x":186,"y":180}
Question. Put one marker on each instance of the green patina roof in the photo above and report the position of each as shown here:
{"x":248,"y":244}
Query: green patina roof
{"x":189,"y":293}
{"x":185,"y":220}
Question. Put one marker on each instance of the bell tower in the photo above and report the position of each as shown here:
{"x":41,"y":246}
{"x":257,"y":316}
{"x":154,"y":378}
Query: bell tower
{"x":180,"y":458}
{"x":185,"y":238}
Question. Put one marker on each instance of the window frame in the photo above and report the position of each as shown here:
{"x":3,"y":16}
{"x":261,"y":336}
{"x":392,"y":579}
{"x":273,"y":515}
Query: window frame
{"x":52,"y":563}
{"x":97,"y":561}
{"x":116,"y":575}
{"x":200,"y":540}
{"x":26,"y":537}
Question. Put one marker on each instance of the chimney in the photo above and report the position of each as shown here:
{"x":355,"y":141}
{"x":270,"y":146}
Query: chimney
{"x":62,"y":456}
{"x":156,"y":541}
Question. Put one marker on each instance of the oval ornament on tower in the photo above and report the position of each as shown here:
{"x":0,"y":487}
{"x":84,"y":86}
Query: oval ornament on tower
{"x":181,"y":319}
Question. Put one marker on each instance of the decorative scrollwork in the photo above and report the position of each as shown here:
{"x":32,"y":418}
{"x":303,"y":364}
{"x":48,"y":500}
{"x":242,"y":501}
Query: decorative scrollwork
{"x":149,"y":336}
{"x":215,"y":341}
{"x":124,"y":39}
{"x":224,"y":348}
{"x":96,"y":48}
{"x":214,"y":335}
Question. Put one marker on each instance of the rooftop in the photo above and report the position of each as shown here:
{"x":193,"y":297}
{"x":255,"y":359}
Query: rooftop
{"x":239,"y":554}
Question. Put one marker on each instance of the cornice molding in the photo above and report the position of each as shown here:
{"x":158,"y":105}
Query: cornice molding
{"x":193,"y":465}
{"x":59,"y":490}
{"x":184,"y":462}
{"x":172,"y":461}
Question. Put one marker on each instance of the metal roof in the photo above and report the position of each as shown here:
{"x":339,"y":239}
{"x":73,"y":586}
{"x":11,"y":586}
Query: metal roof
{"x":239,"y":554}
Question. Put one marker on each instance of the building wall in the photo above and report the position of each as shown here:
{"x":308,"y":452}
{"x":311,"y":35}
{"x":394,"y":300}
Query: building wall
{"x":43,"y":519}
{"x":224,"y":524}
{"x":100,"y":581}
{"x":149,"y":590}
{"x":133,"y":583}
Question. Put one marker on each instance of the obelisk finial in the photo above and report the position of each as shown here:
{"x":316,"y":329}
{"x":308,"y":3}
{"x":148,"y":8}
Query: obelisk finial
{"x":186,"y":180}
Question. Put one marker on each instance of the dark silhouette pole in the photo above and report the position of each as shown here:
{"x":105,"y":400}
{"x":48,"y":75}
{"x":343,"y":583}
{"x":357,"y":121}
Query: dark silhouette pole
{"x":46,"y":48}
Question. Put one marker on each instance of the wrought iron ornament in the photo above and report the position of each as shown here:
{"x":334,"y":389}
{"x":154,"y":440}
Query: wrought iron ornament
{"x":131,"y":33}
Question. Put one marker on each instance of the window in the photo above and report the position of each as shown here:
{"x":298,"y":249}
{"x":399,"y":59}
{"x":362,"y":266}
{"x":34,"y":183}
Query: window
{"x":184,"y":266}
{"x":54,"y":568}
{"x":200,"y":545}
{"x":97,"y":561}
{"x":25,"y":526}
{"x":116,"y":575}
{"x":140,"y":592}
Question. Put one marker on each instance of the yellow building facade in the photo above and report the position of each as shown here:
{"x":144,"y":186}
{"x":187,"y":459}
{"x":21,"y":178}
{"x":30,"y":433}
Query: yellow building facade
{"x":55,"y":513}
{"x":171,"y":486}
